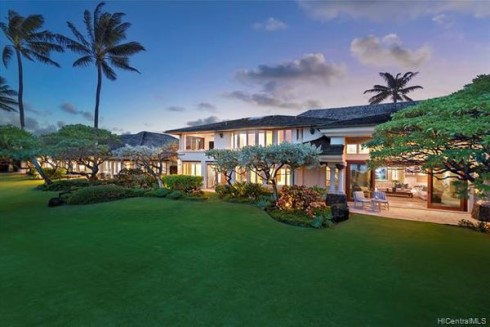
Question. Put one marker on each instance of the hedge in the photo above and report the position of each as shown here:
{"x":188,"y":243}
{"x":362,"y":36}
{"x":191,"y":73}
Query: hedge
{"x":183,"y":183}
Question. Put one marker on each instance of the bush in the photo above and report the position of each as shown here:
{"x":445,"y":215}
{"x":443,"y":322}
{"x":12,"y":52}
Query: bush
{"x":175,"y":195}
{"x":100,"y":193}
{"x":300,"y":198}
{"x":481,"y":226}
{"x":223,"y":191}
{"x":158,"y":193}
{"x":64,"y":185}
{"x":134,"y":178}
{"x":241,"y":190}
{"x":183,"y":183}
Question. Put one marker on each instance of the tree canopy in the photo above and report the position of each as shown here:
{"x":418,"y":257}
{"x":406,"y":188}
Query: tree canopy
{"x":81,"y":144}
{"x":447,"y":134}
{"x":225,"y":162}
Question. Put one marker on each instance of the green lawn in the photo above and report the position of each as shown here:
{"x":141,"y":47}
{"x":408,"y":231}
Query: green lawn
{"x":158,"y":262}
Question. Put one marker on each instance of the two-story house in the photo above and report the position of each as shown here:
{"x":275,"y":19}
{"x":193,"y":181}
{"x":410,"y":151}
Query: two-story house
{"x":339,"y":132}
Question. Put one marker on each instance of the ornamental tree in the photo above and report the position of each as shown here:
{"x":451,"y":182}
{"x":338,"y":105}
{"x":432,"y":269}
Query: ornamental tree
{"x":150,"y":158}
{"x":19,"y":144}
{"x":267,"y":161}
{"x":225,"y":162}
{"x":81,"y":144}
{"x":447,"y":134}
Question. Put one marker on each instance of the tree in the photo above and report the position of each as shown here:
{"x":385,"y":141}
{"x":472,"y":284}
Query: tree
{"x":102,"y":46}
{"x":75,"y":143}
{"x":150,"y":158}
{"x":19,"y":144}
{"x":448,"y":134}
{"x":268,"y":161}
{"x":27,"y":41}
{"x":225,"y":162}
{"x":395,"y":88}
{"x":6,"y":96}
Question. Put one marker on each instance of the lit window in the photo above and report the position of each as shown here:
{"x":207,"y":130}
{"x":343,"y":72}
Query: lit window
{"x":269,"y":139}
{"x":363,"y":149}
{"x":194,"y":143}
{"x":251,"y":138}
{"x":288,"y":136}
{"x":283,"y":177}
{"x":280,"y":136}
{"x":351,"y":148}
{"x":191,"y":168}
{"x":261,"y":138}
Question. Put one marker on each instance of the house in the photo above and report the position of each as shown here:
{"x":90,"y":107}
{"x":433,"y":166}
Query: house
{"x":339,"y":132}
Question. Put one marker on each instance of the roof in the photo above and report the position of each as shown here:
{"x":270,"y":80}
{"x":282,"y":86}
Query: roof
{"x":359,"y":122}
{"x":147,"y":139}
{"x":326,"y":148}
{"x":253,"y":122}
{"x":349,"y":113}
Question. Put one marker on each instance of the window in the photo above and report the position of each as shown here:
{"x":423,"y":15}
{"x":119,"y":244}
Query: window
{"x":191,"y":168}
{"x":211,"y":145}
{"x":255,"y":178}
{"x":299,"y":134}
{"x":251,"y":138}
{"x":269,"y":138}
{"x":288,"y":135}
{"x":351,"y":148}
{"x":284,"y":177}
{"x":194,"y":143}
{"x":336,"y":175}
{"x":280,"y":136}
{"x":261,"y":138}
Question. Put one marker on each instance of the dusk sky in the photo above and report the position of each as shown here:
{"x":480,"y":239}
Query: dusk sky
{"x":217,"y":60}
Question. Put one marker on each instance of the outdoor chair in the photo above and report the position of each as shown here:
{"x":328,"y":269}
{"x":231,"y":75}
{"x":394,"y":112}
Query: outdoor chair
{"x":359,"y":198}
{"x":380,"y":198}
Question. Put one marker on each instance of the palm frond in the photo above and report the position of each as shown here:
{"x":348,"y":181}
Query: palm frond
{"x":378,"y":98}
{"x":6,"y":96}
{"x":410,"y":89}
{"x":31,"y":23}
{"x":88,"y":25}
{"x":43,"y":58}
{"x":81,"y":39}
{"x":122,"y":63}
{"x":407,"y":98}
{"x":44,"y":48}
{"x":7,"y":54}
{"x":108,"y":71}
{"x":83,"y":61}
{"x":126,"y":49}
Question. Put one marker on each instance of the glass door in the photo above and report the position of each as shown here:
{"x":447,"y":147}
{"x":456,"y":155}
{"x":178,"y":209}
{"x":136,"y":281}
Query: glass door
{"x":359,"y":178}
{"x":443,"y":193}
{"x":211,"y":176}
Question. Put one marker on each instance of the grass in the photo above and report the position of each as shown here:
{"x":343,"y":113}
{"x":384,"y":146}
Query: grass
{"x":158,"y":262}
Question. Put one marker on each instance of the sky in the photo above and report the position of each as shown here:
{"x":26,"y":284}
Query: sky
{"x":207,"y":61}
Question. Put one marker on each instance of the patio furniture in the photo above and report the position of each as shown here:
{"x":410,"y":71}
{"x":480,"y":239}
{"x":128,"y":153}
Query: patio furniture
{"x":359,"y":198}
{"x":378,"y":199}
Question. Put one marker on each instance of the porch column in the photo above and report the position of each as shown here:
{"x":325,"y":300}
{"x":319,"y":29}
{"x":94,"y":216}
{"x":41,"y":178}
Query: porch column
{"x":204,"y":174}
{"x":332,"y":178}
{"x":341,"y":169}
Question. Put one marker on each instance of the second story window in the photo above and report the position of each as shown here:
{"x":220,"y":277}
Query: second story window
{"x":194,"y":143}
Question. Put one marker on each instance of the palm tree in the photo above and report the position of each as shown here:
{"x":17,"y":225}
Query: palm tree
{"x":27,"y":41}
{"x":6,"y":96}
{"x":395,"y":88}
{"x":103,"y":47}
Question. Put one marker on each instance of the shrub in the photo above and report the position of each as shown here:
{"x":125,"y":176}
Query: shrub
{"x":321,"y":191}
{"x":481,"y":226}
{"x":175,"y":195}
{"x":99,"y":193}
{"x":241,"y":190}
{"x":134,"y":178}
{"x":223,"y":191}
{"x":300,"y":198}
{"x":183,"y":183}
{"x":64,"y":185}
{"x":158,"y":193}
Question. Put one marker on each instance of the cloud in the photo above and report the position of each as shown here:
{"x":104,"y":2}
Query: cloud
{"x":392,"y":10}
{"x":203,"y":121}
{"x":71,"y":109}
{"x":175,"y":108}
{"x":206,"y":106}
{"x":31,"y":124}
{"x":271,"y":24}
{"x":442,"y":20}
{"x":388,"y":50}
{"x":310,"y":67}
{"x":284,"y":85}
{"x":269,"y":100}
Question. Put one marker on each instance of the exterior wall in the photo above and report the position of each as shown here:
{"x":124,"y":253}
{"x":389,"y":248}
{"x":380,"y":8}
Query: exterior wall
{"x":310,"y":176}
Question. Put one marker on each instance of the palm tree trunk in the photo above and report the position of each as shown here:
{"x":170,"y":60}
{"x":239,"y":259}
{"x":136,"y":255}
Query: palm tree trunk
{"x":97,"y":96}
{"x":34,"y":161}
{"x":21,"y":90}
